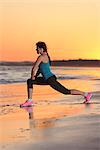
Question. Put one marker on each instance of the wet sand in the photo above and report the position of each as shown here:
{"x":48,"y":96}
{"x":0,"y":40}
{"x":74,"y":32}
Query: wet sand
{"x":56,"y":121}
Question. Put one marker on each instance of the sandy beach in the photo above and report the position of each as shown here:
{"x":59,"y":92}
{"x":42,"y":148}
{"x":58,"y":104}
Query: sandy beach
{"x":56,"y":121}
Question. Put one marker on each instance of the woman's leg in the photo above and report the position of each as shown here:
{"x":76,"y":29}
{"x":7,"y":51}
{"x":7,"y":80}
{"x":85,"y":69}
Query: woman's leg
{"x":52,"y":81}
{"x":30,"y":82}
{"x":77,"y":92}
{"x":29,"y":92}
{"x":29,"y":88}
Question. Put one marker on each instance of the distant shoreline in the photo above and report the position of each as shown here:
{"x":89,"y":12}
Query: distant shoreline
{"x":67,"y":63}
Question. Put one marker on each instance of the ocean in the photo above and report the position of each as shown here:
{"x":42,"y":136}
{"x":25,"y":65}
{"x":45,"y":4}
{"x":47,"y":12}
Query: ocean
{"x":19,"y":74}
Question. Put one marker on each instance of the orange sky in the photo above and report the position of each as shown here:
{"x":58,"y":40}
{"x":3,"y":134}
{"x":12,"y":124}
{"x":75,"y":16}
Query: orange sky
{"x":71,"y":28}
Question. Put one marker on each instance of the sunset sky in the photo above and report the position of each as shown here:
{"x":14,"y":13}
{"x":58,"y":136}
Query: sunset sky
{"x":71,"y":28}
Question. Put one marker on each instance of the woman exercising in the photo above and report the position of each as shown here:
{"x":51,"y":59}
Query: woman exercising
{"x":42,"y":65}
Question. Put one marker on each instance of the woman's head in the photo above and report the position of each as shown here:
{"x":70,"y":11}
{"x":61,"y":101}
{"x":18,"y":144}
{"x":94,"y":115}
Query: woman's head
{"x":41,"y":47}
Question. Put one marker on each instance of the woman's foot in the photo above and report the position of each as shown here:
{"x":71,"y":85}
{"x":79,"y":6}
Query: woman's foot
{"x":87,"y":97}
{"x":28,"y":103}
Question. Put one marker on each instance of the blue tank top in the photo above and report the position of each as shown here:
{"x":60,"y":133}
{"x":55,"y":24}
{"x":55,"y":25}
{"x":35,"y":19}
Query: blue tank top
{"x":45,"y":70}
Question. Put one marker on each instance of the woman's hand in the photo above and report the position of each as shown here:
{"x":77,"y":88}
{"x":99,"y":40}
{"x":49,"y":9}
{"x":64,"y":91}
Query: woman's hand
{"x":33,"y":78}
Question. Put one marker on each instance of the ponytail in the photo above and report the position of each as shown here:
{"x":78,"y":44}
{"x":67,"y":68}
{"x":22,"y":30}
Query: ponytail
{"x":49,"y":59}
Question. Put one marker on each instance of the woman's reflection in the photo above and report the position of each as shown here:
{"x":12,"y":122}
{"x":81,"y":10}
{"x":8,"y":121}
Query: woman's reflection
{"x":40,"y":128}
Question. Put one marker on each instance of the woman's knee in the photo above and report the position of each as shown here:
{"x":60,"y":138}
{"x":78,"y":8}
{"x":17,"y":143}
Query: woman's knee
{"x":30,"y":83}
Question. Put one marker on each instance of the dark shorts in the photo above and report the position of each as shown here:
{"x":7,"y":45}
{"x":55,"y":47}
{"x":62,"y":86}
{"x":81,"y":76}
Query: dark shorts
{"x":52,"y":81}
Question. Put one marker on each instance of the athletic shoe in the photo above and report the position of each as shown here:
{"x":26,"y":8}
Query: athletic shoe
{"x":27,"y":104}
{"x":88,"y":97}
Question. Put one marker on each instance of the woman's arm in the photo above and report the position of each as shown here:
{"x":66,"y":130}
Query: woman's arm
{"x":38,"y":72}
{"x":35,"y":67}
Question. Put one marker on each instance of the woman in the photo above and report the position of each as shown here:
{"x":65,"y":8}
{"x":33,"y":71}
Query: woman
{"x":42,"y":65}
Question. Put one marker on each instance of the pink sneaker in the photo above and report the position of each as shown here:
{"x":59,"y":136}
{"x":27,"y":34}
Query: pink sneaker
{"x":88,"y":97}
{"x":27,"y":104}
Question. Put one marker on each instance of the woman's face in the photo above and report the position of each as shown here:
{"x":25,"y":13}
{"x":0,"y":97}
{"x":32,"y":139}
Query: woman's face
{"x":39,"y":50}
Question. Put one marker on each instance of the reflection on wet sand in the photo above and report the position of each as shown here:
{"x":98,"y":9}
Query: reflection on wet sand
{"x":38,"y":126}
{"x":41,"y":128}
{"x":39,"y":123}
{"x":56,"y":112}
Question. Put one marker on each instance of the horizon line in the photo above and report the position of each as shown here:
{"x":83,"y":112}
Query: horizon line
{"x":53,"y":60}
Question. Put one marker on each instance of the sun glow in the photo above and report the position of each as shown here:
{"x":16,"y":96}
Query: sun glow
{"x":69,"y":31}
